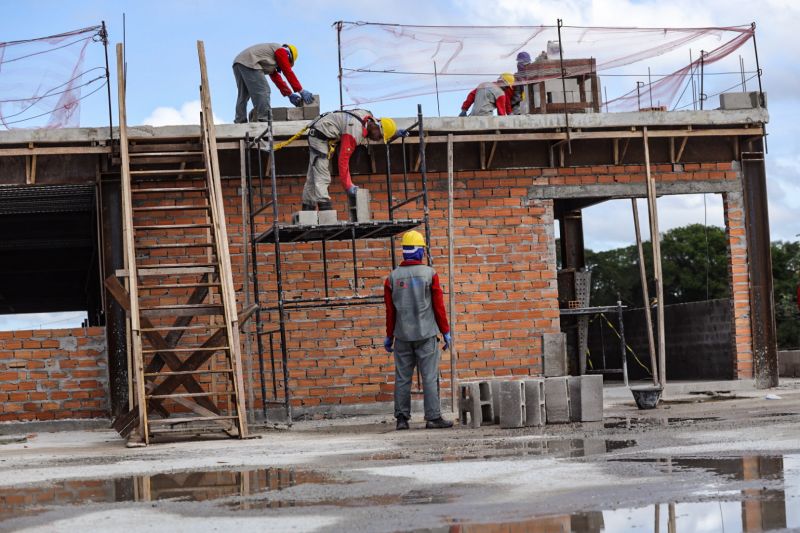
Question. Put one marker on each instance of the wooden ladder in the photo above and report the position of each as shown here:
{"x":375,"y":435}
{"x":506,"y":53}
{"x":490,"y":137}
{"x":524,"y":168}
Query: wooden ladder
{"x":184,"y":328}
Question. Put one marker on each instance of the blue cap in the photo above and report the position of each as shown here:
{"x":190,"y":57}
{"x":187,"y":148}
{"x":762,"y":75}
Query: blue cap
{"x":523,"y":57}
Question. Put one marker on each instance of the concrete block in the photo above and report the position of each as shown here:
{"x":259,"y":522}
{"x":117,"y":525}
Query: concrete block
{"x":495,"y":397}
{"x":554,"y":346}
{"x":279,"y":114}
{"x":310,"y":112}
{"x":469,"y":404}
{"x":789,"y":363}
{"x":327,"y":217}
{"x":586,"y":398}
{"x":363,"y":212}
{"x":305,"y":218}
{"x":556,"y":394}
{"x":294,"y":113}
{"x":535,"y":412}
{"x":487,"y":406}
{"x":741,"y":100}
{"x":512,"y":404}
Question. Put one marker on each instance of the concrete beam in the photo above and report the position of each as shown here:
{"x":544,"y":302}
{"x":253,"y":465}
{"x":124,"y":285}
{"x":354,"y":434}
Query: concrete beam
{"x":631,"y":190}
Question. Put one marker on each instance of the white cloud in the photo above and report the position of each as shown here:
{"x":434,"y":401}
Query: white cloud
{"x":189,"y":113}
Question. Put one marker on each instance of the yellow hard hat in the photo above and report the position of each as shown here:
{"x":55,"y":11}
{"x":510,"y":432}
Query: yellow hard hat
{"x":293,"y":49}
{"x":389,"y":128}
{"x":508,"y":78}
{"x":413,"y":238}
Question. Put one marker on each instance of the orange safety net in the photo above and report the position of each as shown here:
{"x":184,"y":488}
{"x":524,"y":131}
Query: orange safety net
{"x":42,"y":79}
{"x":383,"y":62}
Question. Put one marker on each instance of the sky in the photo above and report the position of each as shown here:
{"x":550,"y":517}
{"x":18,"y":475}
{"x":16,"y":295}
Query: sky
{"x":163,"y":73}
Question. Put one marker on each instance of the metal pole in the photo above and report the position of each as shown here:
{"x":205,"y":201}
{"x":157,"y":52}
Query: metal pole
{"x":655,"y":239}
{"x":564,"y":85}
{"x":423,"y":169}
{"x":645,"y":293}
{"x":691,"y":73}
{"x":339,"y":47}
{"x":650,"y":87}
{"x":741,"y":72}
{"x":104,"y":37}
{"x":702,"y":78}
{"x":390,"y":202}
{"x":451,"y":270}
{"x":436,"y":81}
{"x":638,"y":96}
{"x":758,"y":67}
{"x":623,"y":346}
{"x":254,"y":263}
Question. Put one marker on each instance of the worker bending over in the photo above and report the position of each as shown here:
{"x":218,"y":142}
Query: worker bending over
{"x":415,"y":315}
{"x":348,"y":129}
{"x":250,"y":68}
{"x":490,"y":95}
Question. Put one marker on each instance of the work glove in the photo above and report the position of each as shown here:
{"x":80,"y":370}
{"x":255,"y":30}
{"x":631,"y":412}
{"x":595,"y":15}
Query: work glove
{"x":352,"y":190}
{"x":402,"y":133}
{"x":295,"y":100}
{"x":448,"y":340}
{"x":306,"y":96}
{"x":462,"y":114}
{"x":387,"y":344}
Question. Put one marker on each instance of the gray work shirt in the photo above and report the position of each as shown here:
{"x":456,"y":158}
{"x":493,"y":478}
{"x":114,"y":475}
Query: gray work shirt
{"x":259,"y":57}
{"x":411,"y":296}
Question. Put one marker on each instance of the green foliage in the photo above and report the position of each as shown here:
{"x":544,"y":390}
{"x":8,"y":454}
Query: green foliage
{"x":785,"y":268}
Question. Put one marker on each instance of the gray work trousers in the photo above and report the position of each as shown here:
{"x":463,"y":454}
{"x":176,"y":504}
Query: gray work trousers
{"x":425,"y":355}
{"x":251,"y":84}
{"x":318,"y":177}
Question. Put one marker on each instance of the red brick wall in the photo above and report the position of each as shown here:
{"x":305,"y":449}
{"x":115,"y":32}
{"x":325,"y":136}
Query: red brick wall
{"x":53,"y":374}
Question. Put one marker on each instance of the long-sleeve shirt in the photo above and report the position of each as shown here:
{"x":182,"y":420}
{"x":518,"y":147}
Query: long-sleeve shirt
{"x":487,"y":97}
{"x":272,"y":59}
{"x":285,"y":67}
{"x":348,"y":127}
{"x":437,"y":301}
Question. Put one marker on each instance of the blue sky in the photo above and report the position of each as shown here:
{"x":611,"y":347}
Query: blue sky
{"x":163,"y":71}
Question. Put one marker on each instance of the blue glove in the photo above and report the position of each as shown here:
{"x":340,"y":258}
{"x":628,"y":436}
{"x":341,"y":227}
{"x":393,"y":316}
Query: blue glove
{"x":306,"y":96}
{"x":295,"y":100}
{"x":462,"y":114}
{"x":352,"y":190}
{"x":387,"y":344}
{"x":402,"y":133}
{"x":448,"y":340}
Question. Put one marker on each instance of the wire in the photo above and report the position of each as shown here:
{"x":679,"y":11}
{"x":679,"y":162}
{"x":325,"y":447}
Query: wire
{"x":56,"y":36}
{"x":738,"y":84}
{"x":48,"y":93}
{"x":47,"y":51}
{"x":6,"y":123}
{"x":39,"y":99}
{"x":627,"y":346}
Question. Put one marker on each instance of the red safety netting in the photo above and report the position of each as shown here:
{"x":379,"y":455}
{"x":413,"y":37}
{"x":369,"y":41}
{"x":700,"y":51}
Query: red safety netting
{"x":43,"y":80}
{"x":389,"y":61}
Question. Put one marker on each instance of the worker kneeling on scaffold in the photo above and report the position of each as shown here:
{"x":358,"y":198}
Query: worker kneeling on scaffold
{"x":490,"y":95}
{"x":415,"y":315}
{"x":348,"y":129}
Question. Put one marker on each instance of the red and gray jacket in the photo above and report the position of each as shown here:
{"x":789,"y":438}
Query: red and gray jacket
{"x":272,"y":59}
{"x":414,"y":303}
{"x":349,"y":128}
{"x":487,"y":97}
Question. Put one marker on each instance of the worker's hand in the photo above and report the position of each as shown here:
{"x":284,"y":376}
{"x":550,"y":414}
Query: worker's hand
{"x":306,"y":96}
{"x":401,"y":133}
{"x":352,"y":190}
{"x":387,"y":344}
{"x":448,"y":340}
{"x":462,"y":114}
{"x":295,"y":100}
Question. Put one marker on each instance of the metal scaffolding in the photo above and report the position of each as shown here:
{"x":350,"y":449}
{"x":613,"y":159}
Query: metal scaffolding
{"x":281,"y":235}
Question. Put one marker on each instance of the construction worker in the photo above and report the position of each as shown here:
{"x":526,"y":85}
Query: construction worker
{"x":490,"y":95}
{"x":250,"y":68}
{"x":348,"y":129}
{"x":518,"y":95}
{"x":414,"y":316}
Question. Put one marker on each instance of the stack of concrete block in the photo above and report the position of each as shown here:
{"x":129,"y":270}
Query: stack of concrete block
{"x":557,"y":404}
{"x":475,"y":403}
{"x":512,"y":404}
{"x":586,"y":398}
{"x":304,"y":112}
{"x":535,"y":411}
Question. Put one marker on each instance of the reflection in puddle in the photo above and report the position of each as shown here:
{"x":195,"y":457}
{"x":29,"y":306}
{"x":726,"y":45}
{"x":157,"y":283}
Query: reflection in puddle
{"x":186,"y":486}
{"x":562,"y":447}
{"x":640,"y":422}
{"x":414,"y":497}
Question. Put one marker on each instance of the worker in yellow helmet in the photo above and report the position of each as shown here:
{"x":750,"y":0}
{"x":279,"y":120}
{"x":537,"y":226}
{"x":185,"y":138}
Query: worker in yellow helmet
{"x":250,"y":68}
{"x":415,"y":315}
{"x":490,"y":95}
{"x":346,"y":129}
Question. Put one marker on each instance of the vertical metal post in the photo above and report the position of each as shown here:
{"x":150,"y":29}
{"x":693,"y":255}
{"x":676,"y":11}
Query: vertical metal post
{"x":655,"y":239}
{"x":436,"y":81}
{"x":254,"y":263}
{"x":405,"y":168}
{"x":702,"y":78}
{"x":104,"y":37}
{"x":639,"y":95}
{"x":622,"y":344}
{"x":451,"y":271}
{"x":758,"y":66}
{"x":691,"y":73}
{"x":423,"y":169}
{"x":564,"y":85}
{"x":645,"y":293}
{"x":339,"y":47}
{"x":741,"y":73}
{"x":390,"y":202}
{"x":650,"y":87}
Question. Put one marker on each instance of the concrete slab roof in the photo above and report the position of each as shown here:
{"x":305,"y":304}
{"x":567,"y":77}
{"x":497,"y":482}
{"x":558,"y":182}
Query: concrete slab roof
{"x":710,"y":118}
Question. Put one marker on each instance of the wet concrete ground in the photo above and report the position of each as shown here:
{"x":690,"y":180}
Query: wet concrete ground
{"x":723,"y":463}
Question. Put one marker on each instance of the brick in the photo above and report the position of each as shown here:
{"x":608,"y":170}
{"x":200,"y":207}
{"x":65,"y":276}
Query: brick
{"x":556,"y":392}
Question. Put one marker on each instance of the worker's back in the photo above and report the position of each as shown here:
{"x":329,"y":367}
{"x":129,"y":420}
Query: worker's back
{"x":486,"y":97}
{"x":332,"y":125}
{"x":259,"y":57}
{"x":411,"y":296}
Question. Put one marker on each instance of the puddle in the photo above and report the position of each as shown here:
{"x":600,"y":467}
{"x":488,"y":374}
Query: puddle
{"x":185,"y":486}
{"x":748,"y":468}
{"x":414,"y":497}
{"x":561,"y":447}
{"x":643,"y":422}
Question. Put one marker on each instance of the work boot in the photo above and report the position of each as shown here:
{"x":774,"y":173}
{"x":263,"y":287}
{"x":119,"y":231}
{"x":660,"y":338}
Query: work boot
{"x":324,"y":205}
{"x":308,"y":207}
{"x":438,"y":423}
{"x":402,"y":422}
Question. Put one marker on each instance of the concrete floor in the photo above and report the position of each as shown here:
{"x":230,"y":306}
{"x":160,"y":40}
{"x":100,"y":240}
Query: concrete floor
{"x":702,"y":462}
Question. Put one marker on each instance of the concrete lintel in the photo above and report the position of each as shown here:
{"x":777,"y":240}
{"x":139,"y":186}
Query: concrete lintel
{"x":631,"y":190}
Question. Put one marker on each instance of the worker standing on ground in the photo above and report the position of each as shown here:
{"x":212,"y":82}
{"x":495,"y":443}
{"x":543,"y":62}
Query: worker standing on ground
{"x":347,"y":129}
{"x":250,"y":68}
{"x":518,"y":95}
{"x":415,"y":315}
{"x":490,"y":95}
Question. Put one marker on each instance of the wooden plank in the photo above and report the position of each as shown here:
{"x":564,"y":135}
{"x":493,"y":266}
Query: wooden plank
{"x":170,"y":208}
{"x":680,"y":150}
{"x":157,"y":227}
{"x":176,"y":271}
{"x":207,"y":311}
{"x":161,"y":190}
{"x":166,"y":171}
{"x":54,"y":150}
